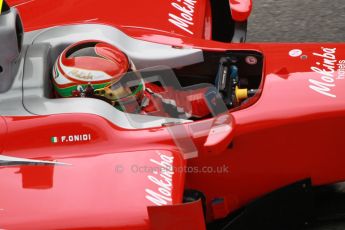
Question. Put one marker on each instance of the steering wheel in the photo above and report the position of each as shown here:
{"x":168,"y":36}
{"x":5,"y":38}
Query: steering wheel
{"x":227,"y":81}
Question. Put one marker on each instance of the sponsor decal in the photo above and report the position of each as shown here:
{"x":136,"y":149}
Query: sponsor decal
{"x":251,"y":60}
{"x":162,"y":180}
{"x":81,"y":75}
{"x":184,"y":18}
{"x":295,"y":53}
{"x":72,"y":138}
{"x":329,"y":70}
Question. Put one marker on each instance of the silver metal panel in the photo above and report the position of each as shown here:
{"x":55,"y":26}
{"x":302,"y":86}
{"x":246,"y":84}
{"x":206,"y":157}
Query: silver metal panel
{"x":11,"y":102}
{"x":48,"y":44}
{"x":10,"y":47}
{"x":143,"y":54}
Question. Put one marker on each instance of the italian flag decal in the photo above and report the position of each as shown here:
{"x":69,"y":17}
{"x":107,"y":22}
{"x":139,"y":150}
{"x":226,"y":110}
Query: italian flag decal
{"x":54,"y":140}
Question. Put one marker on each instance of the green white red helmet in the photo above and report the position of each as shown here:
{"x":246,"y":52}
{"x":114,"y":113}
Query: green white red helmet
{"x":92,"y":67}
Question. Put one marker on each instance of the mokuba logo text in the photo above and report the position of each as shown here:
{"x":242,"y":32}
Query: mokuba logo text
{"x":183,"y":16}
{"x":162,"y":181}
{"x":329,"y":70}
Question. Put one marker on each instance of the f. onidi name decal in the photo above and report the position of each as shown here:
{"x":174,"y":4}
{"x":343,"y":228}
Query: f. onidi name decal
{"x":184,"y":18}
{"x":72,"y":138}
{"x":162,"y":180}
{"x":329,"y":70}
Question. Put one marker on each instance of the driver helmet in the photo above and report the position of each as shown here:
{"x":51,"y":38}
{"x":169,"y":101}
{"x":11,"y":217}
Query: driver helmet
{"x":94,"y":69}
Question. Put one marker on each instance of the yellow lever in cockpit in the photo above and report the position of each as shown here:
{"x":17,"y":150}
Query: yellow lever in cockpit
{"x":241,"y":94}
{"x":1,"y":3}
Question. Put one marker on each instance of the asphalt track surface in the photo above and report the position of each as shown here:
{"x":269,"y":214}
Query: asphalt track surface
{"x":299,"y":21}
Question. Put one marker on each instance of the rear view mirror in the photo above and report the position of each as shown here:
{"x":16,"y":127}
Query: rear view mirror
{"x":241,"y":9}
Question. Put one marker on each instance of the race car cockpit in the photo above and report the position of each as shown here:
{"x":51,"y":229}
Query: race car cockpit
{"x":97,"y":69}
{"x":158,"y":78}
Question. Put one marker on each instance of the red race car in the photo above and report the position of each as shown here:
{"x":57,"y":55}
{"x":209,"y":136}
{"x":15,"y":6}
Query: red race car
{"x":112,"y":119}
